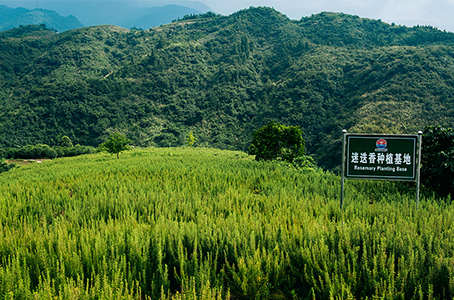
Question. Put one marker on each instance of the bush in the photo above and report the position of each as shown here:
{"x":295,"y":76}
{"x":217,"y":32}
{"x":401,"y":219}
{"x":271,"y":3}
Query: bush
{"x":44,"y":151}
{"x":437,"y":170}
{"x":275,"y":141}
{"x":5,"y":167}
{"x":9,"y":152}
{"x":65,"y":141}
{"x":191,"y":139}
{"x":80,"y":150}
{"x":34,"y":152}
{"x":73,"y":150}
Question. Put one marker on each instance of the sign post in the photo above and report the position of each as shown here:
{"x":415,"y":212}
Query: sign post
{"x":344,"y":133}
{"x":381,"y":157}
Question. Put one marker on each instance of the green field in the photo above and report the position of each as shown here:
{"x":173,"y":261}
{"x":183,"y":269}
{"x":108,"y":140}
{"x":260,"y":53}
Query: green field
{"x":191,"y":223}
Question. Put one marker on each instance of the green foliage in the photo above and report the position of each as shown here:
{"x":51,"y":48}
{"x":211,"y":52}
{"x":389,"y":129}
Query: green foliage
{"x":44,"y":151}
{"x":437,"y":171}
{"x":191,"y":139}
{"x":304,"y":163}
{"x":27,"y":30}
{"x":116,"y":144}
{"x":198,"y":223}
{"x":223,"y":77}
{"x":35,"y":151}
{"x":275,"y":141}
{"x":206,"y":15}
{"x":346,"y":30}
{"x":74,"y":150}
{"x":5,"y":167}
{"x":65,"y":141}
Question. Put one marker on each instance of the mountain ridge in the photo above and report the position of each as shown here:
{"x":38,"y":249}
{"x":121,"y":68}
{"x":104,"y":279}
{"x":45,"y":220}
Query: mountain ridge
{"x":121,"y":13}
{"x":221,"y":77}
{"x":15,"y":17}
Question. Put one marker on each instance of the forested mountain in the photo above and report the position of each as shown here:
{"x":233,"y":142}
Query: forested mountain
{"x":154,"y":16}
{"x":14,"y":17}
{"x":224,"y":76}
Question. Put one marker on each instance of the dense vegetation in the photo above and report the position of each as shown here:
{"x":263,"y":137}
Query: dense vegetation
{"x":222,"y":77}
{"x":44,"y":151}
{"x":437,"y":171}
{"x":4,"y":166}
{"x":192,"y":223}
{"x":275,"y":141}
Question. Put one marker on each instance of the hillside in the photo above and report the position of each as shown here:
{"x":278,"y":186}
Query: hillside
{"x":224,"y":76}
{"x":15,"y":17}
{"x":193,"y":223}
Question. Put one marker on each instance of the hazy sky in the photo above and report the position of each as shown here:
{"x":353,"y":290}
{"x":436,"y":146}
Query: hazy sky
{"x":438,"y":13}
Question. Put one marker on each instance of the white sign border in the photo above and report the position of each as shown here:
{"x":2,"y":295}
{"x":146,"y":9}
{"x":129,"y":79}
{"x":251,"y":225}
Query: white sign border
{"x":414,"y":137}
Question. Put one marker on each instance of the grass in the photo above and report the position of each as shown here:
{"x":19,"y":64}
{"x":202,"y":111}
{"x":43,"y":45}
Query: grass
{"x":188,"y":223}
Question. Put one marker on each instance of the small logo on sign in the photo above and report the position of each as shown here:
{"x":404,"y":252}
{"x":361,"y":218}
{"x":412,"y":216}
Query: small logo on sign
{"x":381,"y":145}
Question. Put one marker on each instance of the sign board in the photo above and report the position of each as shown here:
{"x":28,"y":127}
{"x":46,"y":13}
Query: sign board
{"x":385,"y":157}
{"x":381,"y":157}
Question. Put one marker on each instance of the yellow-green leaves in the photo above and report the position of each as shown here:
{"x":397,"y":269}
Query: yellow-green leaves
{"x":116,"y":144}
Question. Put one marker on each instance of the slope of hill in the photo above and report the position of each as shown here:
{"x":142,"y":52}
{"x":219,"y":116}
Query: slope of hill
{"x":11,"y":18}
{"x":192,"y":223}
{"x":8,"y":13}
{"x":224,"y":76}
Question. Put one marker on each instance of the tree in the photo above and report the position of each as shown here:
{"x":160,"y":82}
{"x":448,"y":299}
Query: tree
{"x":276,"y":141}
{"x":116,"y":144}
{"x":437,"y":170}
{"x":65,"y":141}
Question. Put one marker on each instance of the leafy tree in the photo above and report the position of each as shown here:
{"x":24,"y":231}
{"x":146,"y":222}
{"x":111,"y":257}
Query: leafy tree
{"x":437,"y":171}
{"x":116,"y":144}
{"x":276,"y":141}
{"x":65,"y":141}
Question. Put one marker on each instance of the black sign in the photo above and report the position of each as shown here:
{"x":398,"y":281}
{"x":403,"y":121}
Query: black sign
{"x":388,"y":157}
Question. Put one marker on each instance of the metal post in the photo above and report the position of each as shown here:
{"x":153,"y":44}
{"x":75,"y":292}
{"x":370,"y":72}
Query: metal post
{"x":418,"y":174}
{"x":344,"y":133}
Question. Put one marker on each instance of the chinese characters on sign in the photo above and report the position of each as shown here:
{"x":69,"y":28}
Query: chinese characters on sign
{"x":381,"y":160}
{"x":387,"y":157}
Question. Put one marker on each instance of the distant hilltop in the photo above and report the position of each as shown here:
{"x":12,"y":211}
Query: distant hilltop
{"x":80,"y":13}
{"x":14,"y":17}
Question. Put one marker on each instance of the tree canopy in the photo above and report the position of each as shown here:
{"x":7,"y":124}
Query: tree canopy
{"x":276,"y":141}
{"x":116,"y":144}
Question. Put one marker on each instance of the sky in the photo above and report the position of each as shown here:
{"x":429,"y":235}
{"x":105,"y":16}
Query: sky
{"x":437,"y":13}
